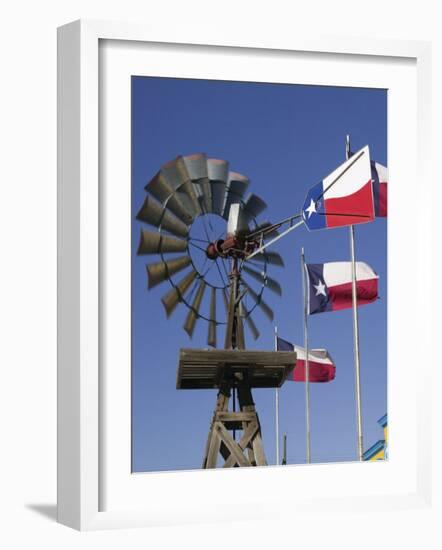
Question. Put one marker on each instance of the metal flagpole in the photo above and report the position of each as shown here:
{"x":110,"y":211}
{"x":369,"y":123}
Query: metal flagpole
{"x":277,"y":405}
{"x":355,"y":330}
{"x":307,"y":369}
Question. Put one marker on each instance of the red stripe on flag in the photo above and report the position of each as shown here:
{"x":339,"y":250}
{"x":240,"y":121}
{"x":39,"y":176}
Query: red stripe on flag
{"x":317,"y":372}
{"x":357,"y":207}
{"x":341,"y":295}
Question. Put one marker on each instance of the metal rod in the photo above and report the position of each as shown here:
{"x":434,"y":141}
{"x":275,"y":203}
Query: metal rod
{"x":225,"y":284}
{"x":360,"y":446}
{"x":273,"y":226}
{"x":277,"y":405}
{"x":230,"y":337}
{"x":307,"y":366}
{"x":356,"y":346}
{"x":234,"y":330}
{"x":353,"y":214}
{"x":275,"y":239}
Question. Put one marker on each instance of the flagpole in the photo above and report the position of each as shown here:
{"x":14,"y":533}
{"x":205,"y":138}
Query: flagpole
{"x":307,"y":369}
{"x":277,"y":405}
{"x":355,"y":330}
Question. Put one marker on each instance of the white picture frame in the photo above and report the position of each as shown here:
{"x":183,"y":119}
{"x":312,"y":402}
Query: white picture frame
{"x":80,"y":394}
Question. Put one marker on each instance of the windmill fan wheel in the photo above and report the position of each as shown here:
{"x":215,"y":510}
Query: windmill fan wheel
{"x":190,"y":202}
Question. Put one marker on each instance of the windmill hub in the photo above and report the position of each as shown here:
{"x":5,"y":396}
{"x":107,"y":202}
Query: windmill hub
{"x":214,"y":250}
{"x":232,"y":246}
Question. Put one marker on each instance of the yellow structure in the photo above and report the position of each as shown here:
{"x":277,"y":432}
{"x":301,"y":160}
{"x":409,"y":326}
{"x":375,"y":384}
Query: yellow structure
{"x":379,"y":451}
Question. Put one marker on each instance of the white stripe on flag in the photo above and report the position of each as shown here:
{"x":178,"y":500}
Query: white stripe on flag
{"x":314,"y":355}
{"x":354,"y":178}
{"x":339,"y":273}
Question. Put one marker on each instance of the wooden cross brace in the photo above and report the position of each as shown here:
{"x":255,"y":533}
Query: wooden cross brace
{"x":248,"y":451}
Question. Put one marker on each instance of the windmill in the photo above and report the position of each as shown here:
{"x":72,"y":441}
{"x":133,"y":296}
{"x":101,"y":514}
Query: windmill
{"x":206,"y":229}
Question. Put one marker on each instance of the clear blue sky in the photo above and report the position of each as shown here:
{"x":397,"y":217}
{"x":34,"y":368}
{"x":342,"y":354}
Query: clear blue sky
{"x":285,"y":138}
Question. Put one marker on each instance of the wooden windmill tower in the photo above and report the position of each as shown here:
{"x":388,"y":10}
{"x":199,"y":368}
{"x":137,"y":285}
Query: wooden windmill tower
{"x":191,"y":191}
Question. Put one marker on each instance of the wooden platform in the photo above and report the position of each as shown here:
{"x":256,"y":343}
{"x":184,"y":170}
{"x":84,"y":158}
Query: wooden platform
{"x":206,"y":369}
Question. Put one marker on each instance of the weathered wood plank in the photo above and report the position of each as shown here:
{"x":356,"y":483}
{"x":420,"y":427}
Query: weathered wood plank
{"x":245,"y":440}
{"x":232,"y":446}
{"x":237,"y":357}
{"x":258,"y":450}
{"x":207,"y":369}
{"x":235,"y":416}
{"x":222,"y":404}
{"x":215,"y":442}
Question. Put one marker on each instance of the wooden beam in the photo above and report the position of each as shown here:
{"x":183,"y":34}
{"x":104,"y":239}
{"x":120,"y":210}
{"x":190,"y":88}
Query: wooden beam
{"x":247,"y":438}
{"x":258,"y":450}
{"x":232,"y":445}
{"x":237,"y":357}
{"x":222,"y":404}
{"x":215,"y":442}
{"x":235,"y":416}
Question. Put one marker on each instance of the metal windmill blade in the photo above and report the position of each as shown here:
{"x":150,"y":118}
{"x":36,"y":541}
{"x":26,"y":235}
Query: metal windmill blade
{"x":197,"y":170}
{"x":264,"y":279}
{"x":253,"y":206}
{"x":159,"y":272}
{"x":196,"y":166}
{"x":153,"y":242}
{"x":192,"y":316}
{"x":235,"y":189}
{"x":154,"y":214}
{"x":160,"y":188}
{"x":267,"y":310}
{"x":272,"y":258}
{"x":177,"y":293}
{"x":250,"y":323}
{"x":176,"y":174}
{"x":218,"y":174}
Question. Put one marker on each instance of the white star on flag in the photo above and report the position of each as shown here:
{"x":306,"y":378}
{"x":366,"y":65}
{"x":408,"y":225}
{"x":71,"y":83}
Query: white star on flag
{"x":320,"y":288}
{"x":311,"y":209}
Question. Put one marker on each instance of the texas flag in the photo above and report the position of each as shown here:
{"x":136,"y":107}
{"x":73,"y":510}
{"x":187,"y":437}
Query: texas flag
{"x":330,"y":286}
{"x":320,"y":365}
{"x":345,"y":197}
